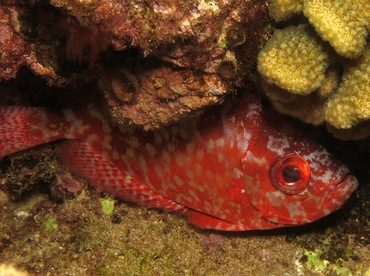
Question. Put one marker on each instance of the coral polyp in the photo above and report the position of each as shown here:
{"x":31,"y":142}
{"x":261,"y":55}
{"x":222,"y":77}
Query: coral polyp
{"x":125,"y":86}
{"x":235,"y":35}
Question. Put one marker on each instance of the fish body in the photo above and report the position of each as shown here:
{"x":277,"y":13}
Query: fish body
{"x":237,"y":168}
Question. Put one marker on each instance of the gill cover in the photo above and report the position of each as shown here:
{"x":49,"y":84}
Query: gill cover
{"x":277,"y":187}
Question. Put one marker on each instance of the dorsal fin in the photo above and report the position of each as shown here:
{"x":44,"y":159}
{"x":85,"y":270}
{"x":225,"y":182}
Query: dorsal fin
{"x":26,"y":127}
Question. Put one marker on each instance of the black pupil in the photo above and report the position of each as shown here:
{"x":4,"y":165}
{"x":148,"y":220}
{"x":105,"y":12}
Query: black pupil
{"x":291,"y":174}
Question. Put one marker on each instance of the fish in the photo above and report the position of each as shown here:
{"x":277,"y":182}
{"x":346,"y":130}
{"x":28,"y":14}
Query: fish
{"x":237,"y":167}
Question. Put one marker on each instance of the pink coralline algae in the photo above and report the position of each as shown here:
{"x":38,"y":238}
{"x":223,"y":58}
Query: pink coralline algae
{"x":14,"y":50}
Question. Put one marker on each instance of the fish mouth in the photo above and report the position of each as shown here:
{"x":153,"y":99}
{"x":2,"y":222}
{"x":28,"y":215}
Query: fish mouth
{"x":341,"y":193}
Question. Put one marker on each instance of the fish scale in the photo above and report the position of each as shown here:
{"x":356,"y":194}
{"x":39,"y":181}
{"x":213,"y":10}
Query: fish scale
{"x":226,"y":170}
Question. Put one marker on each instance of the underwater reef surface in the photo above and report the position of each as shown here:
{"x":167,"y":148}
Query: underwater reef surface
{"x":178,"y":57}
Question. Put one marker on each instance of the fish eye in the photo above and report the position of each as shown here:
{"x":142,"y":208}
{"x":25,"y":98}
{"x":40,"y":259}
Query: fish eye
{"x":290,"y":174}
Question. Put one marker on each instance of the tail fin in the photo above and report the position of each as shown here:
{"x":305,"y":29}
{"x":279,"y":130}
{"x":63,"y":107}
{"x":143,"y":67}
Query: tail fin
{"x":25,"y":127}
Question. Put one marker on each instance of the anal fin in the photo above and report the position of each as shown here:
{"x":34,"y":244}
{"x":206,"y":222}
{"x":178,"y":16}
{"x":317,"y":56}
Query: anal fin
{"x":104,"y":175}
{"x":205,"y":221}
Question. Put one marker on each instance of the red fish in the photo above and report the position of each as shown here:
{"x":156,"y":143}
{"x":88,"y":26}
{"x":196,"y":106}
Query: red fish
{"x":239,"y":168}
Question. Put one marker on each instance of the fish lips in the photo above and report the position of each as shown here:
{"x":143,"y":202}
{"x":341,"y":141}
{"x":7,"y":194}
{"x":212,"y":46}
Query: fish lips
{"x":340,"y":193}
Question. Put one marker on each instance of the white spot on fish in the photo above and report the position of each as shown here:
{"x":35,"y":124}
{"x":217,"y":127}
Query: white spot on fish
{"x":190,"y":148}
{"x":250,"y":158}
{"x":115,"y":155}
{"x":130,"y":152}
{"x":277,"y":145}
{"x":220,"y":157}
{"x":133,"y":142}
{"x":237,"y":173}
{"x":220,"y":143}
{"x":92,"y":138}
{"x":77,"y":125}
{"x":180,"y":159}
{"x":150,"y":149}
{"x":178,"y":181}
{"x":157,"y":138}
{"x":171,"y":147}
{"x":106,"y":142}
{"x":158,"y":171}
{"x":199,"y":154}
{"x":194,"y":195}
{"x":210,"y":145}
{"x":189,"y":174}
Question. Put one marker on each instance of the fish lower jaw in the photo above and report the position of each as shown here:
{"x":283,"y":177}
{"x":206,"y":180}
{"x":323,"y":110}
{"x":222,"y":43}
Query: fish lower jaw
{"x":341,"y":193}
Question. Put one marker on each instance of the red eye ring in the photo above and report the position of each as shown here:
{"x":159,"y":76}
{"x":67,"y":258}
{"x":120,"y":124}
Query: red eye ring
{"x":290,"y":174}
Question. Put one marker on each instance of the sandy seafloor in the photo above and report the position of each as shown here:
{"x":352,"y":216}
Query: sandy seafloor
{"x":56,"y":229}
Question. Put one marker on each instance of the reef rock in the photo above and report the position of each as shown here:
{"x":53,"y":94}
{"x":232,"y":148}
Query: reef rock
{"x":158,"y":94}
{"x":14,"y":49}
{"x":186,"y":54}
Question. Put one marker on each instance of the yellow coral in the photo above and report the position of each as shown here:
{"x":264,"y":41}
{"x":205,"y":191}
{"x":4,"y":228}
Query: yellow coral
{"x":283,"y":9}
{"x":294,"y":60}
{"x":364,"y":12}
{"x":330,"y":83}
{"x":350,"y":105}
{"x":10,"y":270}
{"x":360,"y":131}
{"x":309,"y":108}
{"x":341,"y":23}
{"x":288,"y":64}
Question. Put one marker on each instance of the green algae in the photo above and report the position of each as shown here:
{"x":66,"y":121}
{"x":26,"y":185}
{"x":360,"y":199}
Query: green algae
{"x":107,"y":205}
{"x":51,"y":225}
{"x":315,"y":262}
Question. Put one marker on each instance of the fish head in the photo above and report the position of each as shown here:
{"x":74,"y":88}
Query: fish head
{"x":291,"y":180}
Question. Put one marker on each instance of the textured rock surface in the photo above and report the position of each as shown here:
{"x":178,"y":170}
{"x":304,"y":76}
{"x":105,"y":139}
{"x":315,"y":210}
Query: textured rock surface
{"x":14,"y":49}
{"x":165,"y":59}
